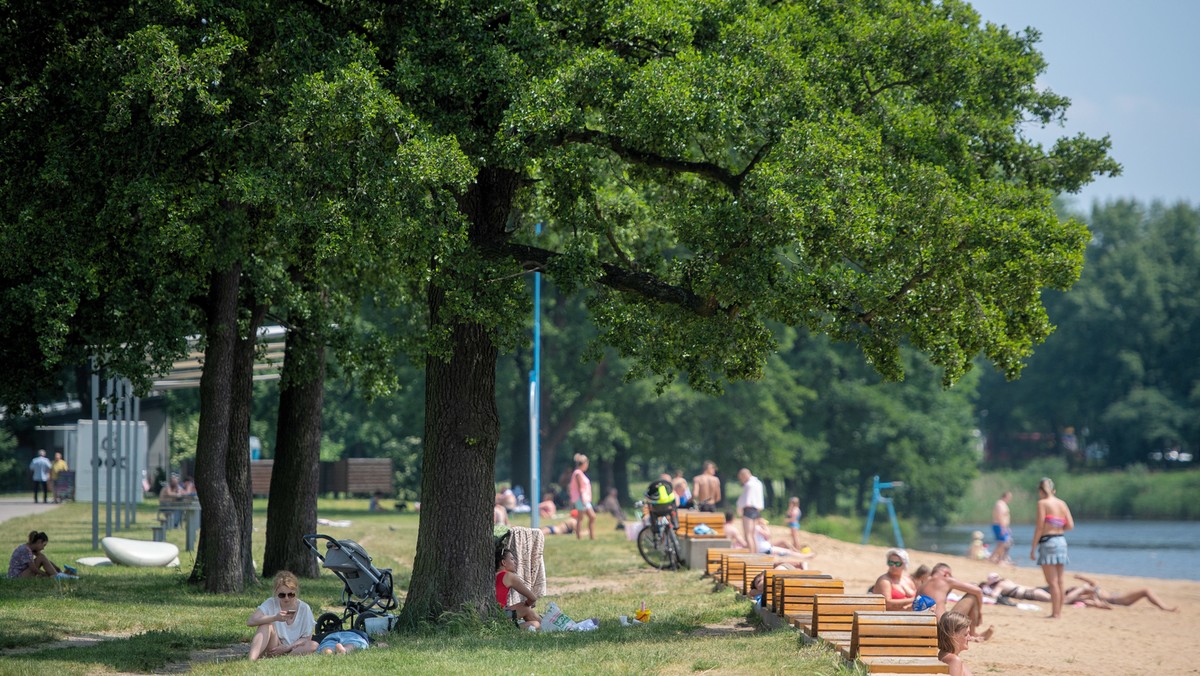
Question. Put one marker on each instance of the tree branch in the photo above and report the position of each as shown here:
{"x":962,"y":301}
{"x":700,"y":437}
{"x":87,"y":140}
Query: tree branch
{"x":707,"y":170}
{"x":617,"y":278}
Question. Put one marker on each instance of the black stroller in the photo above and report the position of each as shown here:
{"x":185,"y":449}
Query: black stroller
{"x":368,"y":591}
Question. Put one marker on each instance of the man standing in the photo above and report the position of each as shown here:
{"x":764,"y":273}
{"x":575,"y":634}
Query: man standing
{"x":56,"y":469}
{"x":40,"y":466}
{"x":750,"y":504}
{"x":706,"y":488}
{"x":939,"y":584}
{"x":1002,"y":529}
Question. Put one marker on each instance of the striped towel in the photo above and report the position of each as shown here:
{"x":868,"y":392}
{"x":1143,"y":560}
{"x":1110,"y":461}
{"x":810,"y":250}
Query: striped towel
{"x":529,"y":543}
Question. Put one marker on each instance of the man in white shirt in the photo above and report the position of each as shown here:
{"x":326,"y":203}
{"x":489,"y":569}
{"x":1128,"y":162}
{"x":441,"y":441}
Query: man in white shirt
{"x":41,"y":475}
{"x":751,"y":503}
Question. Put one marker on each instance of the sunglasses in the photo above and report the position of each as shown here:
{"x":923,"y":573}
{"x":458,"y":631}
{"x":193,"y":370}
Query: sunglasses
{"x":895,"y":564}
{"x":286,"y":595}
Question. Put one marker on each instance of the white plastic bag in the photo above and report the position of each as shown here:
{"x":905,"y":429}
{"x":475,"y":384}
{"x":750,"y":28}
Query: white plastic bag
{"x":554,"y":619}
{"x":632,"y":528}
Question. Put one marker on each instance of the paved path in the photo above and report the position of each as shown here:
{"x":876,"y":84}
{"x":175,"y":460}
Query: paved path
{"x":12,"y":506}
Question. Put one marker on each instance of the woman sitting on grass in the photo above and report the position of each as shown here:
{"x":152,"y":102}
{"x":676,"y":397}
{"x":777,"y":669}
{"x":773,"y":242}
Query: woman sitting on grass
{"x":29,"y":561}
{"x":285,"y":623}
{"x":953,"y":638}
{"x":507,"y":578}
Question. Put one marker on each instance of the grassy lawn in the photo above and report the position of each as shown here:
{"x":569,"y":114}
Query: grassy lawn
{"x":155,"y":620}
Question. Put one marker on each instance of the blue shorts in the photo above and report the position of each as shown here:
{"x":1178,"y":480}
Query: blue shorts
{"x":347,"y":638}
{"x":1002,"y":533}
{"x":922,"y":602}
{"x":1052,"y":551}
{"x":794,"y":525}
{"x":582,"y":506}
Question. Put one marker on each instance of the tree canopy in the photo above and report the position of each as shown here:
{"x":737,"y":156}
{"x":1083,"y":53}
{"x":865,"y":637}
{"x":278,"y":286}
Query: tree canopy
{"x":708,"y":167}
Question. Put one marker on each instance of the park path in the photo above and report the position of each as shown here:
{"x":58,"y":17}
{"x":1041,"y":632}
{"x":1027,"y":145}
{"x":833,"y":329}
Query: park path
{"x":13,"y":506}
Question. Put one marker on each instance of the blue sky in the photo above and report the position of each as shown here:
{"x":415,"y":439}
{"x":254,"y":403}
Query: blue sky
{"x":1132,"y":70}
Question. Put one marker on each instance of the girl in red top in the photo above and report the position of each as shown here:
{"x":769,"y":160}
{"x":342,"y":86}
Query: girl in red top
{"x":507,"y":578}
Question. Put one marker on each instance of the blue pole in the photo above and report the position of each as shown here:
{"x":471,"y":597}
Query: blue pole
{"x":535,"y":488}
{"x":871,"y":512}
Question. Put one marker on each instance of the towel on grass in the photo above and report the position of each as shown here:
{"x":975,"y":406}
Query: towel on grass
{"x":529,"y":544}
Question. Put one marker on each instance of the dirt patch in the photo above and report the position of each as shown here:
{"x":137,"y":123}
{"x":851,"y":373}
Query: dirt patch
{"x":578,"y":585}
{"x":732,"y":627}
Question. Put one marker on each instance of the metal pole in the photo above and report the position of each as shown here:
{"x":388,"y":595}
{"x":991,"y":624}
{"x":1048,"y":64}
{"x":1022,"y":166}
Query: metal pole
{"x":130,"y":461}
{"x":871,"y":512}
{"x":119,"y":450}
{"x":95,"y":457}
{"x":535,"y":488}
{"x":108,"y":462}
{"x":137,"y":456}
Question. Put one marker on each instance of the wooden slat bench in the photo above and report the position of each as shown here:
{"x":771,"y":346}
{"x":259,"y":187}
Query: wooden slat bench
{"x":833,"y":615}
{"x":769,"y":582}
{"x":735,"y":568}
{"x":899,"y":642}
{"x":794,"y":596}
{"x":712,"y":562}
{"x":751,"y":571}
{"x":690,"y":518}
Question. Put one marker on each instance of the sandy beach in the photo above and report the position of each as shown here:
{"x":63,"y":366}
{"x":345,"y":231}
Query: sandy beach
{"x":1139,"y":639}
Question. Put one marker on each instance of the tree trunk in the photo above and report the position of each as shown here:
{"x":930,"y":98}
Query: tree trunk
{"x":237,"y":464}
{"x":454,"y":565}
{"x":218,"y":559}
{"x":295,"y":476}
{"x":621,"y":474}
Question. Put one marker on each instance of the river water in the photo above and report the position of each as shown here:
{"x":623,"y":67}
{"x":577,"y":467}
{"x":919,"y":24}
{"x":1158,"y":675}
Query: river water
{"x":1165,"y":549}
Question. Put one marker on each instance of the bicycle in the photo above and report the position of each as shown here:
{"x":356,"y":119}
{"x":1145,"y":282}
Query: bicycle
{"x":657,"y":541}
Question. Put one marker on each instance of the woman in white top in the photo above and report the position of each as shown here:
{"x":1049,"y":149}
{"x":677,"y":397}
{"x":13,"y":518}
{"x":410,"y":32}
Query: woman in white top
{"x":285,"y":623}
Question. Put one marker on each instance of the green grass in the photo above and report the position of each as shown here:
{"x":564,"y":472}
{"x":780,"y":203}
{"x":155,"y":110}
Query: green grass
{"x":158,"y":619}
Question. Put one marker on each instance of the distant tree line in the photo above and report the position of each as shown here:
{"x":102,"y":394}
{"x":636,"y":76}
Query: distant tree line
{"x":1118,"y":382}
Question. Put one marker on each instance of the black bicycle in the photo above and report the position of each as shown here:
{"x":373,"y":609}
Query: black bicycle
{"x":657,"y":541}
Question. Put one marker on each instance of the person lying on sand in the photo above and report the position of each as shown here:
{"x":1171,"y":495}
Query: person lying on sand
{"x":997,"y":587}
{"x":1106,"y":600}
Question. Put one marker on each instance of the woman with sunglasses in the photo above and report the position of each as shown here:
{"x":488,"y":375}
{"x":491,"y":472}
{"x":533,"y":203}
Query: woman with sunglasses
{"x":897,"y":588}
{"x":285,"y":623}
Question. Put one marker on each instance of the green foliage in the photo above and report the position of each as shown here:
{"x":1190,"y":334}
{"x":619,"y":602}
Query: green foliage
{"x":1120,"y":371}
{"x":1134,"y":493}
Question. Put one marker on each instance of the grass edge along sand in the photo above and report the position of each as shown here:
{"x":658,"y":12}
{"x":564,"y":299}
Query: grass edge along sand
{"x":151,"y":620}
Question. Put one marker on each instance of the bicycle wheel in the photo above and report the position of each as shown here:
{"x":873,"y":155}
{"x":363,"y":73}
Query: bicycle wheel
{"x":652,"y":545}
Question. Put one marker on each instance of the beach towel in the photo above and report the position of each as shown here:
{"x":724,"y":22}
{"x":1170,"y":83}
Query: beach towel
{"x":529,"y":544}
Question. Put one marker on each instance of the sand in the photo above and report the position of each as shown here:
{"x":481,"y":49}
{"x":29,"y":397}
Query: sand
{"x":1138,"y":639}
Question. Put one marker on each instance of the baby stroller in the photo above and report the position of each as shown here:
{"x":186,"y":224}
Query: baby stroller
{"x":368,"y":591}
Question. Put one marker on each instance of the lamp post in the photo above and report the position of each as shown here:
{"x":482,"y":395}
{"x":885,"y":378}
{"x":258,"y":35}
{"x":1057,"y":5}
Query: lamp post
{"x":535,"y":490}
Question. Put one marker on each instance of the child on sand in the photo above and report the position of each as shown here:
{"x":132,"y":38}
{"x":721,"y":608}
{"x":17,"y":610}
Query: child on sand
{"x":793,"y":521}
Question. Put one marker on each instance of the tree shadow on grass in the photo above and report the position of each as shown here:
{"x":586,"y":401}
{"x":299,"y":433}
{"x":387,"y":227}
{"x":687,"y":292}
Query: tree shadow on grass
{"x":146,"y":652}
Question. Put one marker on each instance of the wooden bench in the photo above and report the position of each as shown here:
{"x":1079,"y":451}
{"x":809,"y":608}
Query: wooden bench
{"x":690,"y":518}
{"x":751,"y":570}
{"x":769,"y":582}
{"x":833,"y":615}
{"x":898,"y":642}
{"x":735,"y":568}
{"x":794,"y":596}
{"x":712,"y":560}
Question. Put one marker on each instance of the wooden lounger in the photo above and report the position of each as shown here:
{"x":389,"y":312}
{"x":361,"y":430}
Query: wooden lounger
{"x":734,"y":567}
{"x":712,"y":560}
{"x":901,"y":642}
{"x":795,"y":596}
{"x":833,"y":615}
{"x":689,"y":519}
{"x":769,"y":582}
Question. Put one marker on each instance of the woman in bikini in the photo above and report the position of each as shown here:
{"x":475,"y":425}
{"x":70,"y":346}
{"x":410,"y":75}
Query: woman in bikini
{"x":565,"y":528}
{"x":897,"y":587}
{"x":1050,"y":543}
